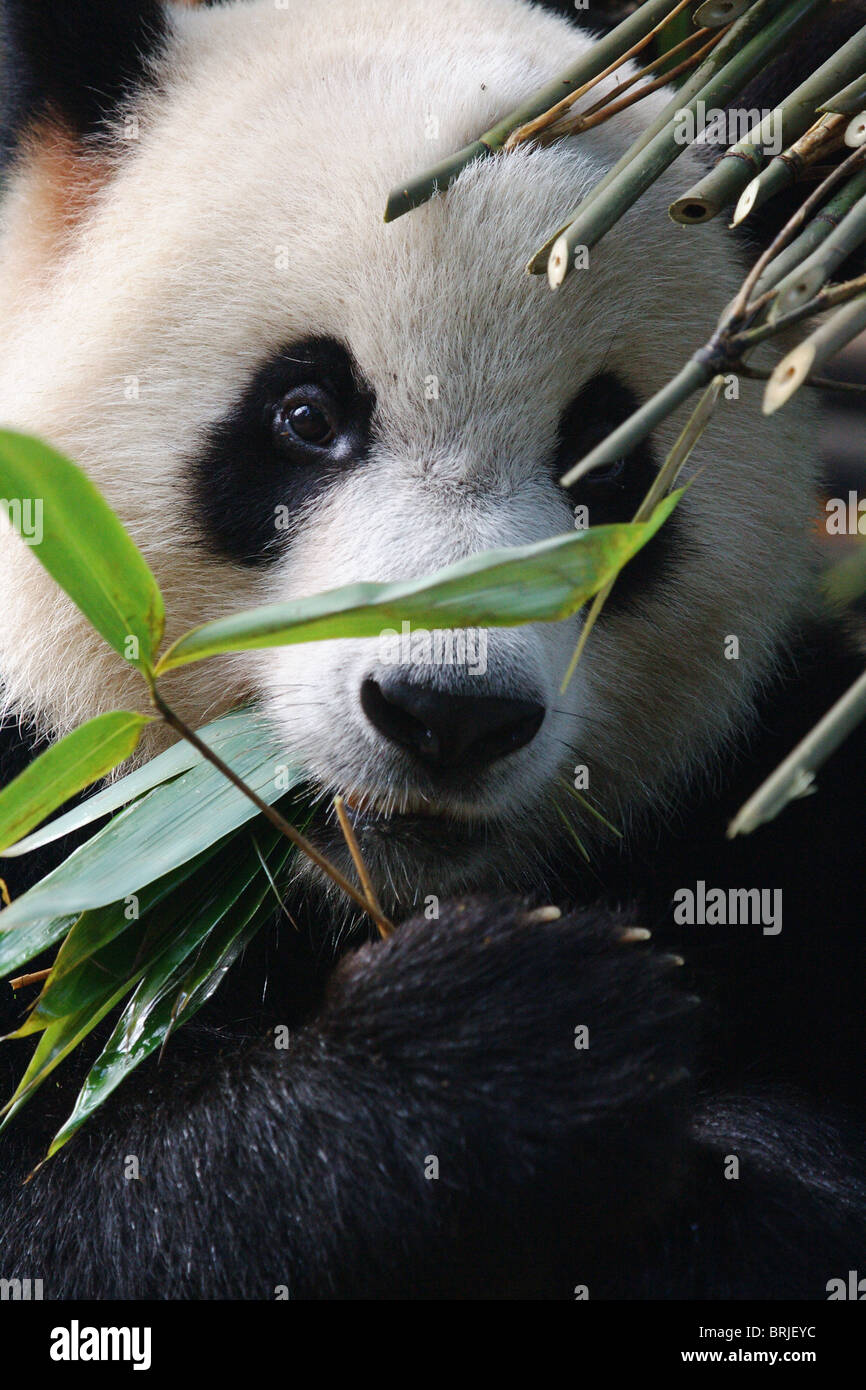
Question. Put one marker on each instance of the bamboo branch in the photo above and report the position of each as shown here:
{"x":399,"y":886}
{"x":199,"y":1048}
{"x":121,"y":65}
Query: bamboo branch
{"x":731,"y":64}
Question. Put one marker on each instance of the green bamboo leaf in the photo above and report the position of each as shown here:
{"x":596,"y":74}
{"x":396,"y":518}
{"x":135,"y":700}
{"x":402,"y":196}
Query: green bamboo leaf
{"x":176,"y":990}
{"x":101,"y":948}
{"x":501,"y":588}
{"x":66,"y":768}
{"x":84,"y":546}
{"x":56,"y":1043}
{"x":156,"y":834}
{"x":224,"y":735}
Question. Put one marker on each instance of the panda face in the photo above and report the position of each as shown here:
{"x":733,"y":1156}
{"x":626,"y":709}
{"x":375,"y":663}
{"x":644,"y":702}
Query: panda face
{"x":280,"y":395}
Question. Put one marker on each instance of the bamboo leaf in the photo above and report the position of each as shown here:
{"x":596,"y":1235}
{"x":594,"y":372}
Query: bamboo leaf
{"x":176,"y":989}
{"x":227,"y":736}
{"x":536,"y":583}
{"x":166,"y":828}
{"x":84,"y":547}
{"x":66,"y":768}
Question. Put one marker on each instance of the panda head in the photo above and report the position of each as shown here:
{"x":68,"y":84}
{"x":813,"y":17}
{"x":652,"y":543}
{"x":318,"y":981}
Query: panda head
{"x":281,"y":394}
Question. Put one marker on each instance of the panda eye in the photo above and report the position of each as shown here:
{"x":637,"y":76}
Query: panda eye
{"x":306,"y":417}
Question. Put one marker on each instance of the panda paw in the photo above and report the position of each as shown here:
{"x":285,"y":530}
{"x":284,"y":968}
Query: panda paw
{"x":555,"y":1043}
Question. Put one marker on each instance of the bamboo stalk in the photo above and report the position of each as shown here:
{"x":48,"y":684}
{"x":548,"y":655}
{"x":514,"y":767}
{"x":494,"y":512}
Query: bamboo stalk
{"x":590,"y":223}
{"x":810,"y":355}
{"x":849,"y":101}
{"x":420,"y":189}
{"x":825,"y":136}
{"x":813,"y":234}
{"x":749,"y":24}
{"x":794,"y":116}
{"x":796,"y":775}
{"x":813,"y":272}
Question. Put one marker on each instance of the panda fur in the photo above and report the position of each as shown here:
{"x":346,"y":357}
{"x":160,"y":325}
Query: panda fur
{"x":192,"y":230}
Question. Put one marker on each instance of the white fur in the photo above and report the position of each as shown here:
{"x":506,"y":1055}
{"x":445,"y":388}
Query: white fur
{"x":287,"y":128}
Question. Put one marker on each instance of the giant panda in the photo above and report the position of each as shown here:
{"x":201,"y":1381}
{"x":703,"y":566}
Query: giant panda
{"x":202,"y":305}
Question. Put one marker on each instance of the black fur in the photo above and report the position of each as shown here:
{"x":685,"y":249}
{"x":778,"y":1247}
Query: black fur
{"x":73,"y":59}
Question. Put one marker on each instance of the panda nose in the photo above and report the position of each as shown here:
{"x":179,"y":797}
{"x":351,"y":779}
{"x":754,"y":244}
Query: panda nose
{"x":444,"y":730}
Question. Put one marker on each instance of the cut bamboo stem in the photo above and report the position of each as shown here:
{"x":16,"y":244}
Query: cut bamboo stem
{"x":796,"y":775}
{"x":661,"y":485}
{"x":849,"y":101}
{"x":692,"y":377}
{"x":825,"y":136}
{"x":812,"y":235}
{"x":724,"y":79}
{"x":750,"y":23}
{"x":794,"y":117}
{"x":809,"y":356}
{"x":814,"y":271}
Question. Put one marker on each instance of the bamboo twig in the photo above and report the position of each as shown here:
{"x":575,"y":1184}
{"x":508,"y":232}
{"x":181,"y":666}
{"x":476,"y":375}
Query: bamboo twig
{"x":531,"y":130}
{"x":363,"y":872}
{"x":35,"y":978}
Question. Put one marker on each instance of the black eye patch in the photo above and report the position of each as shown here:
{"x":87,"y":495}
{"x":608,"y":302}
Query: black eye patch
{"x":303,"y":420}
{"x":613,"y":492}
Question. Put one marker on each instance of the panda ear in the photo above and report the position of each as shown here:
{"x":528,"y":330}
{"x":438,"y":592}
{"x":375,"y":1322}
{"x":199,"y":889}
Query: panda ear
{"x":73,"y":61}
